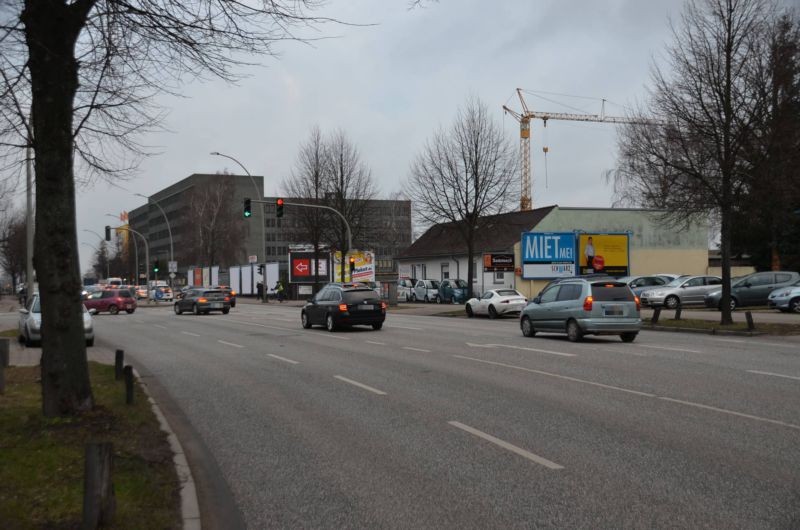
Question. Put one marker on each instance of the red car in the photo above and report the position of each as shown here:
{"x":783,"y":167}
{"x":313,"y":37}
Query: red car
{"x":111,"y":300}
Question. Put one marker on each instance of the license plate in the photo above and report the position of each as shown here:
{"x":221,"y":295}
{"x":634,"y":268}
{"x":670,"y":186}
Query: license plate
{"x":366,"y":307}
{"x":128,"y":306}
{"x":613,"y":311}
{"x":216,"y":305}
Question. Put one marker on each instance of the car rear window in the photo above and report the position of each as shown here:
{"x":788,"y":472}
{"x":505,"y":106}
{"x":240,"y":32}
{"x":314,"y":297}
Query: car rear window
{"x":354,"y":297}
{"x":212,"y":293}
{"x":611,"y":292}
{"x":507,"y":292}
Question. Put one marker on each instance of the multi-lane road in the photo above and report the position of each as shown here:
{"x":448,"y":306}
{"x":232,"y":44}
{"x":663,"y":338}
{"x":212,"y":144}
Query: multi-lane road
{"x":446,"y":422}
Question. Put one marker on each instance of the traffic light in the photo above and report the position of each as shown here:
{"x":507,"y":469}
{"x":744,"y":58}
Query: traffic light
{"x":352,"y":266}
{"x":261,"y":270}
{"x":155,"y":266}
{"x":279,"y":208}
{"x":247,"y":211}
{"x":108,"y":233}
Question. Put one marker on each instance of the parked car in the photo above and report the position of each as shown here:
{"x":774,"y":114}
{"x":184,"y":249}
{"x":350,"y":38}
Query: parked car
{"x":375,"y":286}
{"x":30,"y":323}
{"x":453,"y":292}
{"x":405,"y":286}
{"x":111,"y":300}
{"x":227,"y":291}
{"x":753,"y":289}
{"x":638,"y":284}
{"x":202,"y":301}
{"x":496,"y":302}
{"x":786,"y":298}
{"x":425,"y":290}
{"x":689,"y":290}
{"x":581,"y":307}
{"x":337,"y":305}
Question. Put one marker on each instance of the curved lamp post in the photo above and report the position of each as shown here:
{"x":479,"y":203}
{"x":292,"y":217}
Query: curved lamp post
{"x":169,"y":229}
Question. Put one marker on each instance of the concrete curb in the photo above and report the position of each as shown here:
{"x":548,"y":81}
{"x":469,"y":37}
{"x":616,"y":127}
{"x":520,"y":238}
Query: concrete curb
{"x":712,"y":331}
{"x":190,"y":507}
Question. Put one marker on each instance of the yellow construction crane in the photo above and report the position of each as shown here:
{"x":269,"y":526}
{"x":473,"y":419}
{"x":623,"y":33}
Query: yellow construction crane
{"x":524,"y":118}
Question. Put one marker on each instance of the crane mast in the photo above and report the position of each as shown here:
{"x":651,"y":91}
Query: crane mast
{"x":524,"y":118}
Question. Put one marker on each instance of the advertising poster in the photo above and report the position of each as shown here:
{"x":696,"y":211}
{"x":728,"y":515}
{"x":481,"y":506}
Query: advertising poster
{"x":547,"y":255}
{"x":498,"y":263}
{"x":302,"y":267}
{"x":603,"y":253}
{"x":364,"y":270}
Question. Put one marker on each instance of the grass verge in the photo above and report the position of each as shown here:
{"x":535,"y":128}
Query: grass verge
{"x":41,"y":459}
{"x":711,"y":325}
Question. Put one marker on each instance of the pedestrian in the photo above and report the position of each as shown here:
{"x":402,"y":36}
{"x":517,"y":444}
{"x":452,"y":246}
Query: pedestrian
{"x":259,"y":291}
{"x":279,"y":291}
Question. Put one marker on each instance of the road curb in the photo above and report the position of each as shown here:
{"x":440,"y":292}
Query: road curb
{"x":190,"y":507}
{"x":712,"y":331}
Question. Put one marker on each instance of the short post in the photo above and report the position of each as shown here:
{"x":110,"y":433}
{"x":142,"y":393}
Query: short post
{"x":5,"y":344}
{"x":2,"y":379}
{"x":749,"y":317}
{"x":99,"y":502}
{"x":119,"y":362}
{"x":128,"y":371}
{"x":678,"y":313}
{"x":656,"y":315}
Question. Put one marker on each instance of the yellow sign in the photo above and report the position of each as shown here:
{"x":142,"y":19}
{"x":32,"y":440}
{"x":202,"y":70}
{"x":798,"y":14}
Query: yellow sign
{"x":364,"y":270}
{"x":603,"y":253}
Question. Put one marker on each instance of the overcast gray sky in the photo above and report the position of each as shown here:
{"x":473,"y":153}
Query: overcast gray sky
{"x":390,"y":85}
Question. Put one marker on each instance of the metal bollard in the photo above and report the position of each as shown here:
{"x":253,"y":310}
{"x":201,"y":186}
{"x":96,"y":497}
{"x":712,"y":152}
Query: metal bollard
{"x":749,"y":317}
{"x":128,"y":371}
{"x":678,"y":313}
{"x":119,"y":362}
{"x":656,"y":315}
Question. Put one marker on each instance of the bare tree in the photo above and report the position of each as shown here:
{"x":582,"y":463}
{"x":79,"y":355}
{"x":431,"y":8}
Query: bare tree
{"x":13,"y":251}
{"x":348,"y":187}
{"x":694,"y":164}
{"x":77,"y":82}
{"x":213,"y":229}
{"x":464,"y":173}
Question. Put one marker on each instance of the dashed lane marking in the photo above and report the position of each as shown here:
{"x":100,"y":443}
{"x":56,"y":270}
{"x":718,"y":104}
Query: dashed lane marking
{"x":507,"y":446}
{"x":360,"y":385}
{"x":284,"y":359}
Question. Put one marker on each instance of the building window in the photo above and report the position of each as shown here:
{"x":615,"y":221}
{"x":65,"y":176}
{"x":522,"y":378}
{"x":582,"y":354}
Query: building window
{"x":445,"y":271}
{"x":499,"y":277}
{"x":474,"y":271}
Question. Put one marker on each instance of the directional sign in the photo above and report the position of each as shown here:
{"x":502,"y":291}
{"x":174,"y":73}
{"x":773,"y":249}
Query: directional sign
{"x":301,"y":267}
{"x":172,"y":275}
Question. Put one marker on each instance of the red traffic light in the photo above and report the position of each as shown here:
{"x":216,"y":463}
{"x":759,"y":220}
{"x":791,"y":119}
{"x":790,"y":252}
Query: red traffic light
{"x":279,"y":202}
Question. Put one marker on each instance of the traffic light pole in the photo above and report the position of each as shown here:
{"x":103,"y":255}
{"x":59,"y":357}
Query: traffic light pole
{"x":334,"y":210}
{"x":146,"y":254}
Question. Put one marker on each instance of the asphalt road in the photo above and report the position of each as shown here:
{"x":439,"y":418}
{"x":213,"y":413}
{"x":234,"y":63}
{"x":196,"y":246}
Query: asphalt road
{"x":437,"y":422}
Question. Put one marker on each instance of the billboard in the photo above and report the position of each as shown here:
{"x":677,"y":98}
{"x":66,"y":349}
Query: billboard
{"x":498,"y":263}
{"x":548,"y":255}
{"x":603,"y":253}
{"x":302,"y":267}
{"x":364,"y":266}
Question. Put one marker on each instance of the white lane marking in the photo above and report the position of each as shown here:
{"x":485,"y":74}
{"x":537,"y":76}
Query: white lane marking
{"x":284,"y":359}
{"x":732,"y":412}
{"x":734,"y":341}
{"x":159,"y":326}
{"x":404,"y":327}
{"x":505,"y":445}
{"x":611,"y":387}
{"x":259,"y":325}
{"x":335,"y":337}
{"x":190,"y":333}
{"x":230,"y":344}
{"x":360,"y":385}
{"x":774,"y":374}
{"x":490,"y":346}
{"x":375,"y":342}
{"x":666,"y":348}
{"x":644,"y":394}
{"x":416,"y":349}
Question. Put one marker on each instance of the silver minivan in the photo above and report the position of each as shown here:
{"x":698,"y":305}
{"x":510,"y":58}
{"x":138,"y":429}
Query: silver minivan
{"x":584,"y":307}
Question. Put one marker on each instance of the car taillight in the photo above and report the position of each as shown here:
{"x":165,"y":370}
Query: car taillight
{"x":202,"y":300}
{"x":383,"y":305}
{"x":227,"y":299}
{"x":638,"y":303}
{"x":233,"y":293}
{"x":587,"y":303}
{"x":343,"y":307}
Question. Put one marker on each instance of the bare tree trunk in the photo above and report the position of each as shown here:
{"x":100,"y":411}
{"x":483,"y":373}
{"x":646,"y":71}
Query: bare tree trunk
{"x":725,"y":250}
{"x":52,"y":28}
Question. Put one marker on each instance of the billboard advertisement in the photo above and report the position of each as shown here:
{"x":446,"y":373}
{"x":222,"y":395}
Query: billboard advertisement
{"x":603,"y":253}
{"x":364,"y":266}
{"x":547,"y":255}
{"x":498,"y":263}
{"x":302,"y":267}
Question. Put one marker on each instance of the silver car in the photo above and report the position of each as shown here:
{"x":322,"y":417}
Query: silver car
{"x":584,"y":307}
{"x":753,"y":289}
{"x":786,"y":298}
{"x":426,"y":290}
{"x":30,"y":323}
{"x":686,"y":290}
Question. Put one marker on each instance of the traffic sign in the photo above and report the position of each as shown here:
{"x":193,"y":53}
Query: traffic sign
{"x":173,"y":267}
{"x":252,"y":259}
{"x":172,"y":275}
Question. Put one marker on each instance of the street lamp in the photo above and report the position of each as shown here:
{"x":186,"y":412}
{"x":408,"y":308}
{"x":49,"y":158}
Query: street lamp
{"x":169,"y":230}
{"x":260,"y":197}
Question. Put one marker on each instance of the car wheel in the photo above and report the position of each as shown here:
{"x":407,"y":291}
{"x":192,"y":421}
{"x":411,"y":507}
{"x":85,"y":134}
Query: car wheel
{"x":304,"y":319}
{"x":574,"y":333}
{"x":377,"y":325}
{"x":233,"y":303}
{"x":130,"y":311}
{"x":330,"y":325}
{"x":527,"y":327}
{"x":90,"y":342}
{"x":794,"y":305}
{"x":178,"y":309}
{"x":470,"y":314}
{"x":492,"y":312}
{"x":427,"y":300}
{"x":672,"y":302}
{"x":28,"y":342}
{"x":114,"y":310}
{"x":413,"y":297}
{"x":438,"y":299}
{"x":733,"y":303}
{"x":226,"y":310}
{"x":195,"y":309}
{"x":628,"y":337}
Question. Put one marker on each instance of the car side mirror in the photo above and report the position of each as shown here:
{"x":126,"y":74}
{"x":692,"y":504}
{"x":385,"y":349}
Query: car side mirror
{"x":93,"y":311}
{"x":537,"y":300}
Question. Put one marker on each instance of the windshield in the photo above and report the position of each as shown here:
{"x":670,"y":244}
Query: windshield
{"x":355,"y":297}
{"x":676,"y":282}
{"x":434,"y":284}
{"x":461,"y":284}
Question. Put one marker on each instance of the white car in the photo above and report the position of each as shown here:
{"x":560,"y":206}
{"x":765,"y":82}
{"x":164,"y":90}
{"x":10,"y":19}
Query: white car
{"x":786,"y":299}
{"x":30,"y":323}
{"x":405,"y":286}
{"x":426,"y":290}
{"x":496,"y":302}
{"x":160,"y":291}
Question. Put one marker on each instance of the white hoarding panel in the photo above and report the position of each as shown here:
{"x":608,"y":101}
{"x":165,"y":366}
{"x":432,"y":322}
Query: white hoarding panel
{"x":247,"y":280}
{"x":236,"y":283}
{"x":215,"y":275}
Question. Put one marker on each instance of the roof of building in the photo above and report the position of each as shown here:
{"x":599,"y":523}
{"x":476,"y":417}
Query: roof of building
{"x":497,"y":233}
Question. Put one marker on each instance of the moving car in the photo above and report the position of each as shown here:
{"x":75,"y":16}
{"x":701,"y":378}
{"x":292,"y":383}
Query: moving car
{"x":30,"y":323}
{"x":203,"y":300}
{"x":425,"y":290}
{"x":584,"y":307}
{"x":337,"y":305}
{"x":405,"y":286}
{"x":496,"y":302}
{"x":227,"y":291}
{"x":786,"y":298}
{"x":111,"y":300}
{"x":159,"y":290}
{"x":452,"y":291}
{"x":688,"y":290}
{"x":753,"y":289}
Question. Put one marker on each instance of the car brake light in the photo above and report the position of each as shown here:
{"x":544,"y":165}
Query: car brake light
{"x":227,"y":299}
{"x":383,"y":305}
{"x":202,"y":300}
{"x":343,"y":307}
{"x":233,"y":293}
{"x":638,"y":303}
{"x":587,"y":303}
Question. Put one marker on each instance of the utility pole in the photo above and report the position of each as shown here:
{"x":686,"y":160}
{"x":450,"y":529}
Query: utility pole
{"x":29,"y":228}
